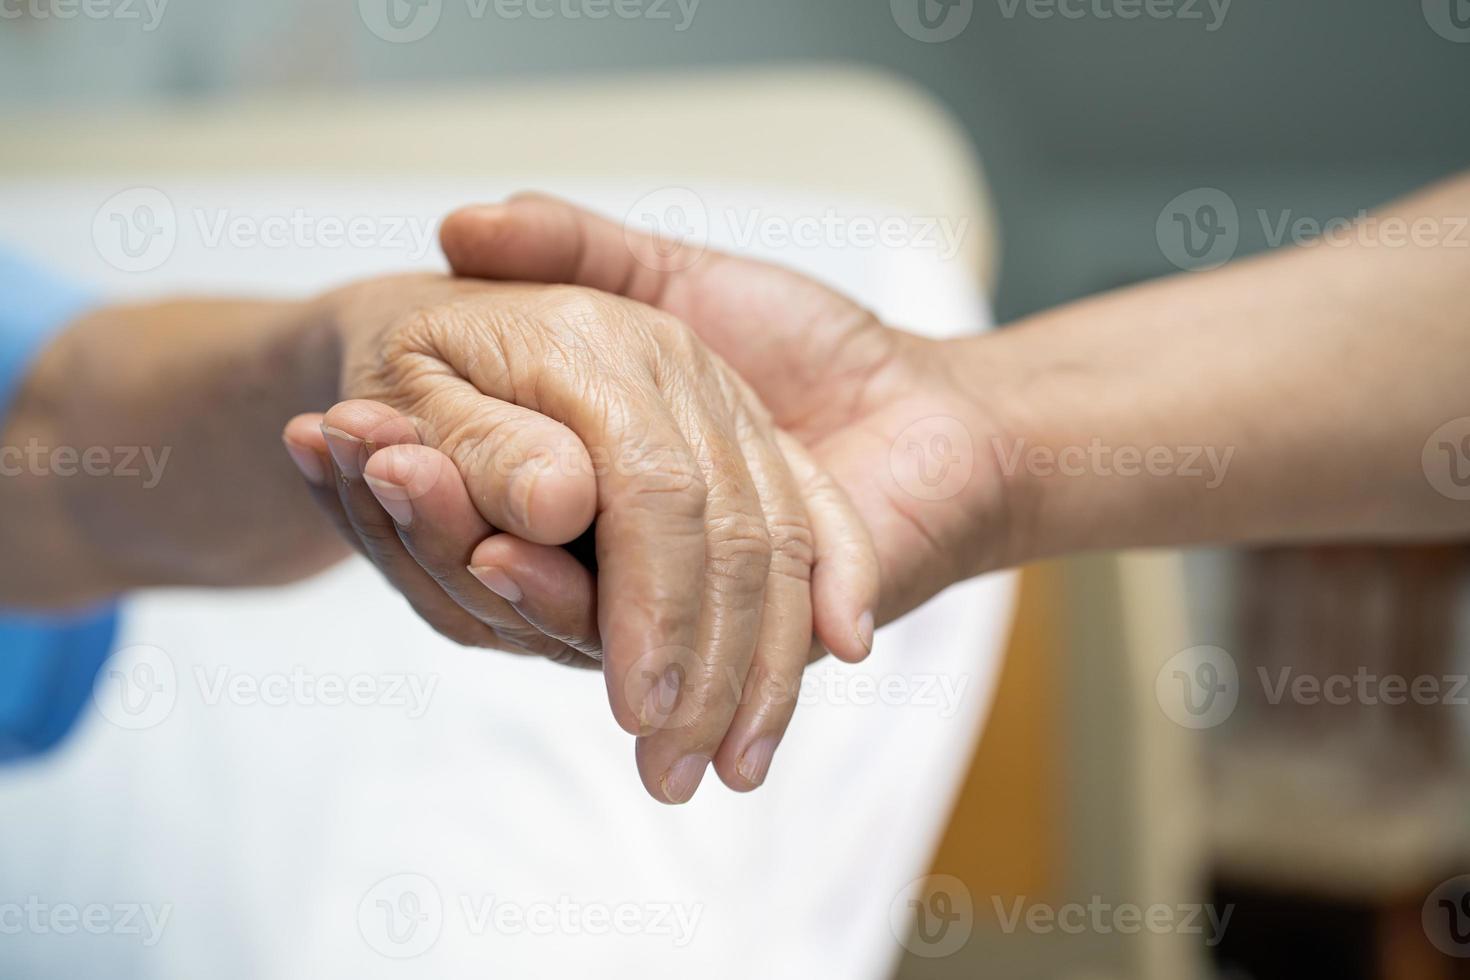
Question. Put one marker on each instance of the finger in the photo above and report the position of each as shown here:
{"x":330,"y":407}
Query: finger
{"x":738,"y":559}
{"x":526,"y":474}
{"x":423,"y":492}
{"x":768,"y":698}
{"x":307,"y":447}
{"x":548,"y":586}
{"x":651,"y":488}
{"x":846,"y":581}
{"x":538,"y":238}
{"x":345,"y":428}
{"x":650,"y":558}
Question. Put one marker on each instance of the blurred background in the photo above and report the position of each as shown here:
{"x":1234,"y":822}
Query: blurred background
{"x":1332,"y":831}
{"x":1087,"y":125}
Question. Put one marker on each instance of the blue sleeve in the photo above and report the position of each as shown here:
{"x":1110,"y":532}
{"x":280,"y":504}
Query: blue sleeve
{"x":47,"y":663}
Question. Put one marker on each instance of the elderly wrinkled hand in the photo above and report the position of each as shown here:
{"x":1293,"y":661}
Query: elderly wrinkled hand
{"x":490,"y":424}
{"x":901,"y":422}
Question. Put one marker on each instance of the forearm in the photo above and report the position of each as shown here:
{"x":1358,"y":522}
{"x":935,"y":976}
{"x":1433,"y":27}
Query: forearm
{"x":144,"y":449}
{"x":1289,"y":397}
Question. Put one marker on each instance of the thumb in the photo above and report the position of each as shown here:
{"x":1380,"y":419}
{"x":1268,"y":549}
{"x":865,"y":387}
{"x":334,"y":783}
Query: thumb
{"x":538,"y":238}
{"x":780,"y":330}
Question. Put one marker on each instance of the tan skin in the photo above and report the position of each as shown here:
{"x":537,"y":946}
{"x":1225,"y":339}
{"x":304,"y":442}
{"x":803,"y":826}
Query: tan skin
{"x":1325,"y":369}
{"x":1143,"y":368}
{"x":551,"y":406}
{"x":658,"y":441}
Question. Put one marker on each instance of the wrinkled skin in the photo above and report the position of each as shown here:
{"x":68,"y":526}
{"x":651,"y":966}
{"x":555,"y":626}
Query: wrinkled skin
{"x":852,"y":390}
{"x":860,"y":411}
{"x":488,"y":424}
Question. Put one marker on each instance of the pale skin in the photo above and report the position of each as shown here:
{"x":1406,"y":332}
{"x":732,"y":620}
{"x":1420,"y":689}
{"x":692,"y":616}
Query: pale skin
{"x":1322,"y":371}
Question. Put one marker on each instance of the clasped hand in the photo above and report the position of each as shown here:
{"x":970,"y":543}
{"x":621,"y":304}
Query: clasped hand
{"x":713,"y":432}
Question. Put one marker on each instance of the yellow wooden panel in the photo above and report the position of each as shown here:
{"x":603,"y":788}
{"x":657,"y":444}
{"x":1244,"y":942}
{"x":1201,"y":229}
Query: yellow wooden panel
{"x":1004,"y":833}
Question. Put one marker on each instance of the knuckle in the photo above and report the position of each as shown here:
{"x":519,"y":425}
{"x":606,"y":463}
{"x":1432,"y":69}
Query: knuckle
{"x":739,"y":551}
{"x":530,"y":640}
{"x":671,"y":331}
{"x":378,"y":534}
{"x":709,"y":703}
{"x":669,"y":481}
{"x":474,"y":452}
{"x":565,"y":657}
{"x":676,"y":349}
{"x":484,"y":443}
{"x":793,"y":546}
{"x":670,"y":616}
{"x":518,"y":635}
{"x":773,"y":686}
{"x":497,"y":639}
{"x":575,"y":309}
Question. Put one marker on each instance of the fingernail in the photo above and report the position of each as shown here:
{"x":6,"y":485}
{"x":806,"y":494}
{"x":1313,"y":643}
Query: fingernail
{"x":522,"y":486}
{"x":308,"y":462}
{"x":865,"y":630}
{"x":662,"y":698}
{"x":393,"y":498}
{"x":755,"y":761}
{"x":683,"y":777}
{"x":347,"y":450}
{"x":498,"y":582}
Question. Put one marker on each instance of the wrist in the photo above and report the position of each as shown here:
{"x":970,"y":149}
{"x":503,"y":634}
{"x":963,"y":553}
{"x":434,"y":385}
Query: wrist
{"x":1094,"y":447}
{"x":186,"y":400}
{"x":1003,"y":499}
